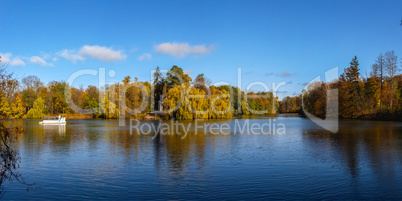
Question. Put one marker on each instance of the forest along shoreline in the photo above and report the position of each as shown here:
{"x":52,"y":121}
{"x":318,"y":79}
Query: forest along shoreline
{"x":31,"y":99}
{"x":377,"y":96}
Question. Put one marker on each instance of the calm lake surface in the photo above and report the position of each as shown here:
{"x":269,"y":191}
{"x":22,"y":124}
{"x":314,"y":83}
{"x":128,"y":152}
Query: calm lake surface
{"x":98,"y":159}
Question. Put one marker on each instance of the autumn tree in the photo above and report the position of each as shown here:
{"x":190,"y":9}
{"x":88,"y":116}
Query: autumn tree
{"x":32,"y":82}
{"x":6,"y":80}
{"x":352,"y":78}
{"x":378,"y":72}
{"x":18,"y":108}
{"x":290,"y":104}
{"x":244,"y":108}
{"x":57,"y":92}
{"x":126,"y":80}
{"x":30,"y":88}
{"x":372,"y":93}
{"x":173,"y":77}
{"x":159,"y":84}
{"x":5,"y":109}
{"x":29,"y":96}
{"x":9,"y":158}
{"x":91,"y":98}
{"x":37,"y":112}
{"x":202,"y":83}
{"x":392,"y":67}
{"x":220,"y":105}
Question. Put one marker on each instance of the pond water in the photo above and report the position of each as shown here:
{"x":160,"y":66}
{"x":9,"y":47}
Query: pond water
{"x":98,"y":159}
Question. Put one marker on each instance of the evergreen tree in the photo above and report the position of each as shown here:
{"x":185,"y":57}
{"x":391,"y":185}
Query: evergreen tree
{"x":352,"y":76}
{"x":174,"y":75}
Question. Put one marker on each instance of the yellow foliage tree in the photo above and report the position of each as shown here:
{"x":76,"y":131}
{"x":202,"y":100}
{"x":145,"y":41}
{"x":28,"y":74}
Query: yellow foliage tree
{"x":18,"y":108}
{"x":5,"y":109}
{"x":37,"y":111}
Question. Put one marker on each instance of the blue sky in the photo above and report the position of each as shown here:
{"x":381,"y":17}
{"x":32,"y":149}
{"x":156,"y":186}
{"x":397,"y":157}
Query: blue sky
{"x":272,"y":41}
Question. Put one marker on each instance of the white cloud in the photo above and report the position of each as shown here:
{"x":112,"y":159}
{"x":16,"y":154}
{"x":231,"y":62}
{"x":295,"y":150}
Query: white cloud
{"x":44,"y":55}
{"x":96,"y":52}
{"x":145,"y":56}
{"x":17,"y":62}
{"x":69,"y":55}
{"x":182,"y":49}
{"x":101,"y":53}
{"x":39,"y":61}
{"x":5,"y":58}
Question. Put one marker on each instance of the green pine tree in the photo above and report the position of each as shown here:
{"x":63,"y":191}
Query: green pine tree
{"x":354,"y":87}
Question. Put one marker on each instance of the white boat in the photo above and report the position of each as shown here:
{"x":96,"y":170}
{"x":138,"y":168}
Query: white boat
{"x":60,"y":120}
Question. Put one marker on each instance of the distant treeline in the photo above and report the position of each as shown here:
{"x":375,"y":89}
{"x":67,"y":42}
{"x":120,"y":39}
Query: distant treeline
{"x":376,"y":96}
{"x":30,"y":98}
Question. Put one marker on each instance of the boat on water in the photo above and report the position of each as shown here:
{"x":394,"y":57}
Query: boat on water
{"x":60,"y":120}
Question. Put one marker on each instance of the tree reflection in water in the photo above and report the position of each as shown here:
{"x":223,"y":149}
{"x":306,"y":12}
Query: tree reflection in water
{"x":361,"y":160}
{"x":359,"y":148}
{"x":10,"y":160}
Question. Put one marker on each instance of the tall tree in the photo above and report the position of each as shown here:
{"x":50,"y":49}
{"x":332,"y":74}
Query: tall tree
{"x":352,"y":77}
{"x":57,"y":91}
{"x":201,"y":82}
{"x":9,"y":88}
{"x":372,"y":93}
{"x":157,"y":76}
{"x":5,"y":109}
{"x":5,"y":77}
{"x":392,"y":67}
{"x":31,"y":82}
{"x":9,"y":158}
{"x":378,"y":71}
{"x":158,"y":83}
{"x":17,"y":107}
{"x":92,"y":98}
{"x":29,"y":96}
{"x":37,"y":111}
{"x":173,"y":77}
